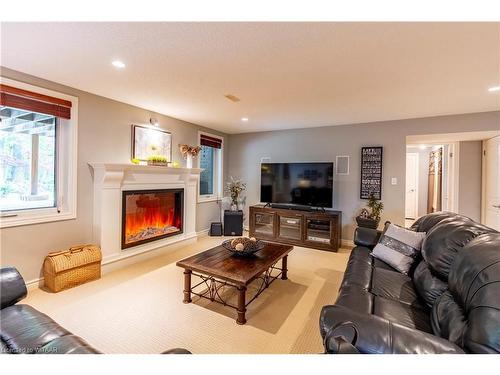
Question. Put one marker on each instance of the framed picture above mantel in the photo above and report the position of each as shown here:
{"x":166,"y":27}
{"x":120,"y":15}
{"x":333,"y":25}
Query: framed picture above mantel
{"x":148,"y":142}
{"x":371,"y":172}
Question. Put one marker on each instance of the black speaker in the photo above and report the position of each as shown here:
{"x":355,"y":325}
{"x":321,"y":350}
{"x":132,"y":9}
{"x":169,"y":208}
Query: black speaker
{"x":233,"y":223}
{"x":215,"y":229}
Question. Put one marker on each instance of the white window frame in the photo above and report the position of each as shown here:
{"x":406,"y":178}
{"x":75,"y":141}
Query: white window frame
{"x":218,"y":175}
{"x":66,"y":167}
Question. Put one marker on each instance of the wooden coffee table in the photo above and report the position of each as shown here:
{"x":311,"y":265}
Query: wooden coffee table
{"x":218,"y":268}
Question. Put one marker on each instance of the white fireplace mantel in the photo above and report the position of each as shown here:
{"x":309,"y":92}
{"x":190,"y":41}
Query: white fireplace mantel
{"x":111,"y":179}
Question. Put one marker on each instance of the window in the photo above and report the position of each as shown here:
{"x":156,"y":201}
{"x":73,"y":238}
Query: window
{"x":210,"y":160}
{"x":38,"y":131}
{"x":27,"y":159}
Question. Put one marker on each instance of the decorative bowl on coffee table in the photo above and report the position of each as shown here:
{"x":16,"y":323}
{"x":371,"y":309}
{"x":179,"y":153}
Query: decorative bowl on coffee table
{"x":248,"y":250}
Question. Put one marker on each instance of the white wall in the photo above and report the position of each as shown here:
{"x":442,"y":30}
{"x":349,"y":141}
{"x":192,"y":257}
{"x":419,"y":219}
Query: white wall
{"x":104,"y":135}
{"x":323,"y":144}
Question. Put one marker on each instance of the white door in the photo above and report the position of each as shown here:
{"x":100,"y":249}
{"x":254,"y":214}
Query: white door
{"x":491,"y":160}
{"x":411,"y":209}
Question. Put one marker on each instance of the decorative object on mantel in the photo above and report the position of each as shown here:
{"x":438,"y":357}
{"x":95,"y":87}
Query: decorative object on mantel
{"x":235,"y":187}
{"x":189,"y":152}
{"x":160,"y":161}
{"x":68,"y":268}
{"x":370,"y":219}
{"x":148,"y":141}
{"x":371,"y":172}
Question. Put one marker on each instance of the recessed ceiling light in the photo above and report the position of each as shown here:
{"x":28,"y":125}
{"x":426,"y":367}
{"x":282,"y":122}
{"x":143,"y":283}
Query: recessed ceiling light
{"x":494,"y":88}
{"x":245,"y":119}
{"x":118,"y":64}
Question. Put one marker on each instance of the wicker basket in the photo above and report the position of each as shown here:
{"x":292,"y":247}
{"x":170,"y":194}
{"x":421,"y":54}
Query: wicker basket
{"x":69,"y":268}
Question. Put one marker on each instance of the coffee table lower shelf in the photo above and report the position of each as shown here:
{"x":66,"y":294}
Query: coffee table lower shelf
{"x":212,"y":285}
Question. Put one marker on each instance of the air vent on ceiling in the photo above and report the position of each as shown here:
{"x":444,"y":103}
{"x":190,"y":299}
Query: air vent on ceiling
{"x":233,"y":98}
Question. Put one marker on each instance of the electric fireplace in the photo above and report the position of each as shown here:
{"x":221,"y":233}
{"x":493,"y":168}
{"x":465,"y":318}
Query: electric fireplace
{"x":149,"y":215}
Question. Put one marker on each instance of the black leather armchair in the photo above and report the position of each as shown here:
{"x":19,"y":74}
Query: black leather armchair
{"x":450,"y":302}
{"x":25,"y":330}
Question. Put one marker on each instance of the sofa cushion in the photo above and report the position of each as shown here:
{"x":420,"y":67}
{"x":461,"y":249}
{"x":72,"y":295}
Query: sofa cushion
{"x":377,"y":263}
{"x":427,"y":222}
{"x":399,"y":247}
{"x":402,"y":313}
{"x":428,"y":286}
{"x":359,"y":269}
{"x":355,"y":298}
{"x":448,"y":319}
{"x":474,"y":286}
{"x":445,"y":239}
{"x":394,"y":285}
{"x":69,"y":344}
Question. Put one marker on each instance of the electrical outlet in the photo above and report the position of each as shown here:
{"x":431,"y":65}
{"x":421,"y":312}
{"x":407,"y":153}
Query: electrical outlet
{"x":394,"y":181}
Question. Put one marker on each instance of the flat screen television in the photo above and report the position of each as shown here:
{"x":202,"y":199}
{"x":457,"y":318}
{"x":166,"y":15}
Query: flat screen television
{"x":304,"y":184}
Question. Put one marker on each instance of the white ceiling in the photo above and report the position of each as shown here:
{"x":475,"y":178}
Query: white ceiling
{"x":288,"y":75}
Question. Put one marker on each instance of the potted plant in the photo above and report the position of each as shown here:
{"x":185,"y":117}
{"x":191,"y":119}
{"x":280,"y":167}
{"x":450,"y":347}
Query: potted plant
{"x":370,"y":219}
{"x":235,"y":188}
{"x":157,"y":160}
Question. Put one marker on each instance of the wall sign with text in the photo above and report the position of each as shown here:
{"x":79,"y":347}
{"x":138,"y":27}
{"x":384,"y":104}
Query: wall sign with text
{"x":371,"y":172}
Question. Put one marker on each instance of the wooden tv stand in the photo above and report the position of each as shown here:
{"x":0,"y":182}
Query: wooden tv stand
{"x":316,"y":229}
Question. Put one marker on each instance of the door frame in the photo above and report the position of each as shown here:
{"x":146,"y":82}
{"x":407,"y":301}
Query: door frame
{"x":417,"y":170}
{"x":483,"y":181}
{"x":484,"y":160}
{"x":452,"y":175}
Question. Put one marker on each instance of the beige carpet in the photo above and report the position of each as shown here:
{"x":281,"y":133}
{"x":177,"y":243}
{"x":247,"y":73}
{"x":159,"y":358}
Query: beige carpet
{"x":139,"y":309}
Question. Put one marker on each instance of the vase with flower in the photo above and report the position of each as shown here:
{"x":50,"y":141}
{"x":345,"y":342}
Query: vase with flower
{"x":189,"y":152}
{"x":234,"y":188}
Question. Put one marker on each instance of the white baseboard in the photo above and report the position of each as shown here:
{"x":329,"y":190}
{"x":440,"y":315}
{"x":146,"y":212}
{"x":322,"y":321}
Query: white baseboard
{"x":113,"y":263}
{"x":34,"y":284}
{"x":203,"y":233}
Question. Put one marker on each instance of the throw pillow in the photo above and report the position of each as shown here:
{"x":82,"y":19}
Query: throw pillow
{"x":399,"y":247}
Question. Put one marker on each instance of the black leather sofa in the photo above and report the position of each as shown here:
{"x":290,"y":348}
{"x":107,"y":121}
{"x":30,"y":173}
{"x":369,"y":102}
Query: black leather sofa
{"x":25,"y":330}
{"x":449,"y":303}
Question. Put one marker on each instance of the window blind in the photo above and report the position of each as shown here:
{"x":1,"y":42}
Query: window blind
{"x":206,"y":140}
{"x":32,"y":101}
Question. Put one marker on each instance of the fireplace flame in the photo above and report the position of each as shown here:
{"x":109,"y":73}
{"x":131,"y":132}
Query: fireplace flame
{"x":150,"y":216}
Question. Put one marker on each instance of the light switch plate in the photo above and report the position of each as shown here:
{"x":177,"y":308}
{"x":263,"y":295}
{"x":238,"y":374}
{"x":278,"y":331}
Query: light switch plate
{"x":394,"y":181}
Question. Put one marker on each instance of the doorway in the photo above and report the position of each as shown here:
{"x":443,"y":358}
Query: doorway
{"x":412,"y":172}
{"x":466,"y":166}
{"x":490,"y":213}
{"x":429,"y":179}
